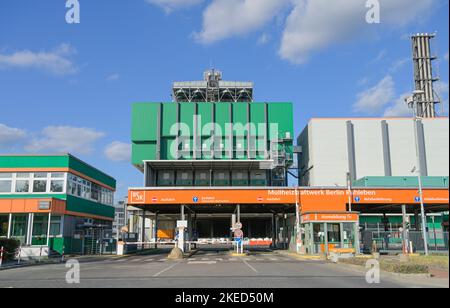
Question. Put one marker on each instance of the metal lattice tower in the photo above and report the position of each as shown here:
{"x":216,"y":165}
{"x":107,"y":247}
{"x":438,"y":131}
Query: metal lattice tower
{"x":423,"y":74}
{"x":212,"y":89}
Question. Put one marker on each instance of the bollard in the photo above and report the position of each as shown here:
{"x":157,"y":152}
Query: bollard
{"x":20,"y":254}
{"x":1,"y":256}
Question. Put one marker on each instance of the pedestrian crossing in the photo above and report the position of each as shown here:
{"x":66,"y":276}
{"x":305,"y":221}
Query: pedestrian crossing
{"x":240,"y":259}
{"x":204,"y":259}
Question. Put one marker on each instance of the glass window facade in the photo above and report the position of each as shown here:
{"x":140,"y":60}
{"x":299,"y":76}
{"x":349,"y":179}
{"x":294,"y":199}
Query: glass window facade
{"x":85,"y":189}
{"x":54,"y":183}
{"x":19,"y":226}
{"x":4,"y":221}
{"x":35,"y":183}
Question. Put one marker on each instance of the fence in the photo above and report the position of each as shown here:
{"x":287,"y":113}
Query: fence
{"x":392,"y":241}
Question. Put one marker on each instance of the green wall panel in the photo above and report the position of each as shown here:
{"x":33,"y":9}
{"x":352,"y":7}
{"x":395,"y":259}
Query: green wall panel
{"x":166,"y":148}
{"x":205,"y":110}
{"x":144,"y":134}
{"x":282,"y":114}
{"x":25,"y":161}
{"x":400,"y":181}
{"x":187,"y":117}
{"x":143,"y":151}
{"x":79,"y":205}
{"x":240,"y":113}
{"x":144,"y":119}
{"x":92,"y":172}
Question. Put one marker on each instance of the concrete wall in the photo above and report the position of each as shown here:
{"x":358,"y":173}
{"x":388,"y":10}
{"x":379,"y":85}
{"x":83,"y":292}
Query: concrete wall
{"x":326,"y":144}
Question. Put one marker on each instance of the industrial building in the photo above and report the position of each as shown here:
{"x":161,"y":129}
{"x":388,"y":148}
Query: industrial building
{"x":379,"y":153}
{"x":371,"y":147}
{"x":209,"y":160}
{"x":57,"y":202}
{"x":216,"y":143}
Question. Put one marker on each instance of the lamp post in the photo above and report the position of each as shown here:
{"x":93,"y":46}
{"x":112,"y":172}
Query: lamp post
{"x":413,"y":103}
{"x":297,"y":220}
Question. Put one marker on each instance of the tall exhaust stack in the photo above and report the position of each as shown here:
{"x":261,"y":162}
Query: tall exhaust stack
{"x":423,"y":74}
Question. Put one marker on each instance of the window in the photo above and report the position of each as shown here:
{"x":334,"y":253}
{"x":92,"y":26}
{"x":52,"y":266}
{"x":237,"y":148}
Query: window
{"x":5,"y":186}
{"x":5,"y":175}
{"x":39,"y":186}
{"x":22,"y":186}
{"x":55,"y":225}
{"x":5,"y":182}
{"x":4,"y":222}
{"x":40,"y":175}
{"x":57,"y":186}
{"x":57,"y":175}
{"x":87,"y":190}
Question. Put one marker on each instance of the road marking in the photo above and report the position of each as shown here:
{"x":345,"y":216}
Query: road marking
{"x":251,"y":267}
{"x":136,"y":260}
{"x":202,"y":262}
{"x":232,"y":259}
{"x":205,"y":259}
{"x":150,"y":260}
{"x":166,"y":269}
{"x":219,"y":259}
{"x":273,"y":259}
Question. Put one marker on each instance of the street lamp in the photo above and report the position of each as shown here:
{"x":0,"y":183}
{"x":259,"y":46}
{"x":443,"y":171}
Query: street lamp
{"x":413,"y":103}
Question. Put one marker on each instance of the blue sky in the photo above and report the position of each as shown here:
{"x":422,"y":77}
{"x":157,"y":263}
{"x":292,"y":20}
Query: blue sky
{"x":69,"y":87}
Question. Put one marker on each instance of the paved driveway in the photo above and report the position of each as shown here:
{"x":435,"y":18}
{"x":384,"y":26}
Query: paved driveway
{"x":206,"y":269}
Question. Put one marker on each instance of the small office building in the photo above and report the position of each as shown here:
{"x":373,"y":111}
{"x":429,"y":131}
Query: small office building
{"x":56,"y":201}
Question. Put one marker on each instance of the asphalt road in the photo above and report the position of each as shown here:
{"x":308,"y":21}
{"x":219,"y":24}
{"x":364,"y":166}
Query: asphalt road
{"x":206,"y":269}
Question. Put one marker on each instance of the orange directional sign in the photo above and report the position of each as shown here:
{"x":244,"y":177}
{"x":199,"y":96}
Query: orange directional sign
{"x":309,"y":199}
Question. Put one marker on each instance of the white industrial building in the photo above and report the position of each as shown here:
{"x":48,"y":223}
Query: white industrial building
{"x":361,"y":147}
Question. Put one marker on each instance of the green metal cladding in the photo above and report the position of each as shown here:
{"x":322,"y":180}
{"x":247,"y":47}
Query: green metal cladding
{"x":154,"y":124}
{"x":56,"y":161}
{"x":402,"y":181}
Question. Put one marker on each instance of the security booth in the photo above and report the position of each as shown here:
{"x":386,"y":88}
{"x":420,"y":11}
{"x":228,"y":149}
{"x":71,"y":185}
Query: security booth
{"x":323,"y":232}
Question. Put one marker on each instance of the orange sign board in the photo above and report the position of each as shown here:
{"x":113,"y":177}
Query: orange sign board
{"x":349,"y":217}
{"x":309,"y":199}
{"x":212,"y":196}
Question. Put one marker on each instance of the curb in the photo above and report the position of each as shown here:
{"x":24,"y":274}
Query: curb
{"x":15,"y":266}
{"x":399,"y":275}
{"x":301,"y":257}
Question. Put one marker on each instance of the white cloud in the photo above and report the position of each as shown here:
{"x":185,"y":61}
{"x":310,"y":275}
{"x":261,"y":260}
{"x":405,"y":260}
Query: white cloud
{"x":10,"y":135}
{"x":264,"y":39}
{"x":113,"y":77}
{"x":399,"y":64}
{"x":442,"y":90}
{"x":399,"y":108}
{"x":171,"y":5}
{"x":57,"y":61}
{"x":227,"y":18}
{"x":380,"y":55}
{"x":118,"y":151}
{"x":64,"y":139}
{"x":374,"y":99}
{"x":316,"y":24}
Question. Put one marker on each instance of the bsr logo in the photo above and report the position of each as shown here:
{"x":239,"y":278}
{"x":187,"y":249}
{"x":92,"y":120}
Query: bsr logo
{"x":137,"y":197}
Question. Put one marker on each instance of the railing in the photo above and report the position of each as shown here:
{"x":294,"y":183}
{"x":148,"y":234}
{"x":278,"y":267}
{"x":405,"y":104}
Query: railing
{"x":392,"y":241}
